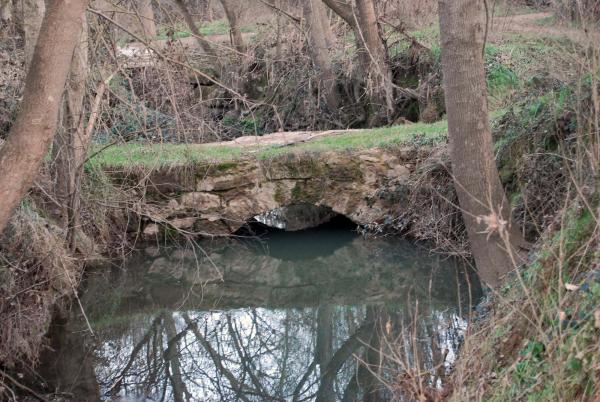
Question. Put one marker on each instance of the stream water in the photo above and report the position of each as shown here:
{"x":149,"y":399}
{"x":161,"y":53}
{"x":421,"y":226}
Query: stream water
{"x":320,"y":314}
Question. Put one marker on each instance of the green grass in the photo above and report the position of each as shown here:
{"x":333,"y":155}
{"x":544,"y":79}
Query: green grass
{"x":511,"y":62}
{"x":545,"y":357}
{"x":216,"y":27}
{"x":136,"y":154}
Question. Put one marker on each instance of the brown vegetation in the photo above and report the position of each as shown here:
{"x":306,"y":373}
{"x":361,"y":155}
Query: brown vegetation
{"x":193,"y":72}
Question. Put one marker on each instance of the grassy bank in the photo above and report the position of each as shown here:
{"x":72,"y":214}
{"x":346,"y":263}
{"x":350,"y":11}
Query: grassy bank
{"x":159,"y":155}
{"x":540,"y":342}
{"x":539,"y":339}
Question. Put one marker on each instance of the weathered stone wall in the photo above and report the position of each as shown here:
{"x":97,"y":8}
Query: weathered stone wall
{"x":217,"y":199}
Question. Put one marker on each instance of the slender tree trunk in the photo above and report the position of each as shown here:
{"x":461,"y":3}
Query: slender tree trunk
{"x":324,"y":351}
{"x":371,"y":53}
{"x":373,"y":56}
{"x":326,"y":23}
{"x":31,"y":135}
{"x":205,"y":45}
{"x":70,"y":143}
{"x":369,"y":369}
{"x":172,"y":356}
{"x":343,"y":10}
{"x":138,"y":17}
{"x":146,"y":19}
{"x":316,"y":19}
{"x":231,"y":13}
{"x":33,"y":14}
{"x":6,"y":11}
{"x":480,"y":192}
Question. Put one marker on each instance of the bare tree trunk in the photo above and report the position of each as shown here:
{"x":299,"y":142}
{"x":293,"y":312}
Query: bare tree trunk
{"x":202,"y":42}
{"x":33,"y":14}
{"x":30,"y":137}
{"x":209,"y":11}
{"x":320,"y":50}
{"x":326,"y":22}
{"x":6,"y":11}
{"x":232,"y":16}
{"x":324,"y":351}
{"x":139,"y":18}
{"x":146,"y":18}
{"x":369,"y":370}
{"x":480,"y":192}
{"x":70,"y":143}
{"x":343,"y":10}
{"x":172,"y":356}
{"x":373,"y":55}
{"x":371,"y":52}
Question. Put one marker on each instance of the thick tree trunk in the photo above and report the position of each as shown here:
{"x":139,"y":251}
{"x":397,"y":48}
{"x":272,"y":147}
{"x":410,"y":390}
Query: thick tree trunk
{"x":70,"y":143}
{"x":480,"y":193}
{"x":30,"y":137}
{"x":316,"y":19}
{"x":33,"y":14}
{"x":231,"y":13}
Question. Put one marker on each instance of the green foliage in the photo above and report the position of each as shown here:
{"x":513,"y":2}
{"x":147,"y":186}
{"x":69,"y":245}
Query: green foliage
{"x":216,"y":27}
{"x":141,"y":122}
{"x":249,"y":125}
{"x":501,"y":79}
{"x":531,"y":122}
{"x":557,"y":344}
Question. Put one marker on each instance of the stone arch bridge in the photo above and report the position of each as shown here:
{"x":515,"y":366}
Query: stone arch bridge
{"x":219,"y":198}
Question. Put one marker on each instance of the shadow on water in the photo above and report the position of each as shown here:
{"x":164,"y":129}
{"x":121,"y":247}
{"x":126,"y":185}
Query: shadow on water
{"x":283,"y":318}
{"x":307,"y":244}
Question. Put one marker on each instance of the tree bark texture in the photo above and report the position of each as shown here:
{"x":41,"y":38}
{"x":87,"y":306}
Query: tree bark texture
{"x":71,"y":142}
{"x":231,"y":12}
{"x":33,"y":14}
{"x":205,"y":45}
{"x":6,"y":11}
{"x":136,"y":16}
{"x":146,"y":19}
{"x":371,"y":54}
{"x":317,"y":27}
{"x":480,"y":193}
{"x":324,"y":351}
{"x":31,"y":135}
{"x":343,"y":10}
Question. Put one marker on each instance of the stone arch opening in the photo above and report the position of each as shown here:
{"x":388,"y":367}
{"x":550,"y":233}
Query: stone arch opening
{"x":299,"y":231}
{"x":302,"y":216}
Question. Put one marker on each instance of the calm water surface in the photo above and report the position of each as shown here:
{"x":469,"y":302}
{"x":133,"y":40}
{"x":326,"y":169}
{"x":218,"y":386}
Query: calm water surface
{"x":313,"y":315}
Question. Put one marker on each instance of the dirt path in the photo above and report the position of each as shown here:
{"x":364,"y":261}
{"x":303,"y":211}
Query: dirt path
{"x":530,"y":24}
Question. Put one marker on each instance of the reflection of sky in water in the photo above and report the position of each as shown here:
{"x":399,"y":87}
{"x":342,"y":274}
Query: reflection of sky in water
{"x":292,"y":330}
{"x":279,"y":344}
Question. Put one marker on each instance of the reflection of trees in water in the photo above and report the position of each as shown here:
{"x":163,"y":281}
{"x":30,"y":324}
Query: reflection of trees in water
{"x":158,"y":338}
{"x":257,"y":354}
